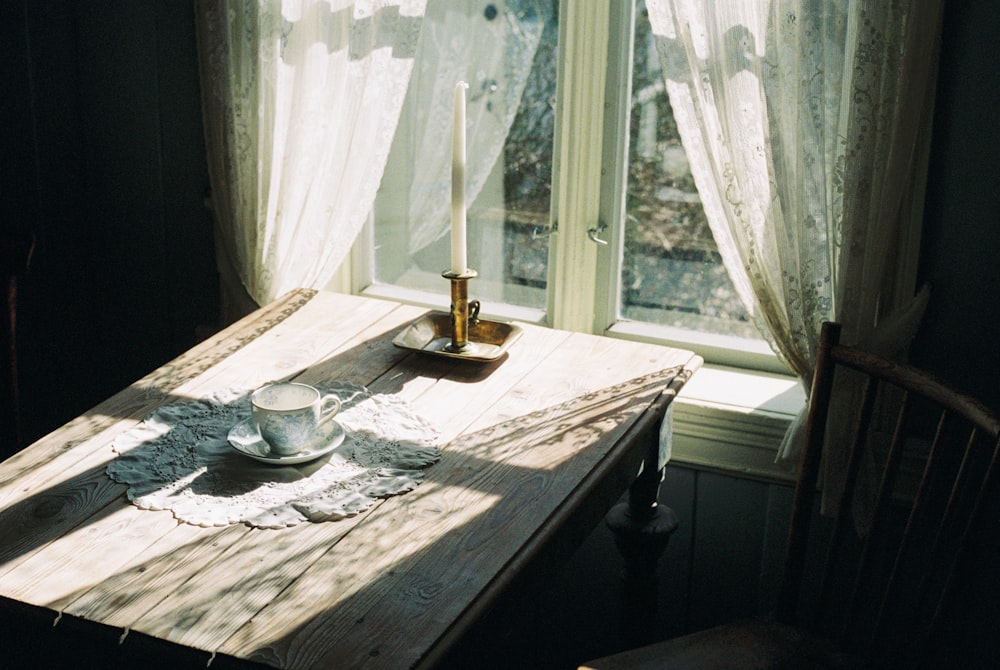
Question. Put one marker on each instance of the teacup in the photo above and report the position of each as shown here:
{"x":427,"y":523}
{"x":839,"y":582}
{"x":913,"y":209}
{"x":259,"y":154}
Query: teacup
{"x":289,"y":415}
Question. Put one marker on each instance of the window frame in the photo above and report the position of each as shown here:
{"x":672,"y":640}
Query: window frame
{"x":598,"y":267}
{"x":734,"y":418}
{"x":588,"y":191}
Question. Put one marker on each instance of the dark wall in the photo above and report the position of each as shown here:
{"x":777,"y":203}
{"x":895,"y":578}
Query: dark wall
{"x":103,"y":159}
{"x":959,"y":337}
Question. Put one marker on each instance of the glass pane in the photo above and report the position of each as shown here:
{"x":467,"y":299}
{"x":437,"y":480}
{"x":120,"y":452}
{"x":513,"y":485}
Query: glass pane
{"x":672,"y":273}
{"x":506,"y":52}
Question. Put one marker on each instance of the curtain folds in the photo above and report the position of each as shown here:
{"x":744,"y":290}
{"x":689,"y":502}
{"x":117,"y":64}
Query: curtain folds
{"x":493,"y":51}
{"x":301,"y":99}
{"x":806,"y":124}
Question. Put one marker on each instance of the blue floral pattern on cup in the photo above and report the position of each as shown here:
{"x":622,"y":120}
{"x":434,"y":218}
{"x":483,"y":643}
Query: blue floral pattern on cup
{"x":288,"y":415}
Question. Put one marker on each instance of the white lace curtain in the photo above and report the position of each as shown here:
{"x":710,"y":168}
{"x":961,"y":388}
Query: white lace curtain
{"x":301,"y":100}
{"x":806,"y":123}
{"x":491,"y":46}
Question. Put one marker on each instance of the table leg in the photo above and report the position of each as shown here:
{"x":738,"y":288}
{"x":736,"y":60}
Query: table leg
{"x":642,"y":529}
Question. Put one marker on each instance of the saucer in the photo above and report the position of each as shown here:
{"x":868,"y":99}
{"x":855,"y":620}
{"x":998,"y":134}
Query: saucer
{"x":244,"y":438}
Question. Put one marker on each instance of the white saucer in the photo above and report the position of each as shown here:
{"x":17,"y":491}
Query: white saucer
{"x":244,"y":438}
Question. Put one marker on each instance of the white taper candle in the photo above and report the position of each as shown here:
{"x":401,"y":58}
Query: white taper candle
{"x":459,"y":260}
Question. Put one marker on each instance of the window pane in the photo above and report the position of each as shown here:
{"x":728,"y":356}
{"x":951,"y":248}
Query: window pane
{"x":506,"y":52}
{"x":672,"y":273}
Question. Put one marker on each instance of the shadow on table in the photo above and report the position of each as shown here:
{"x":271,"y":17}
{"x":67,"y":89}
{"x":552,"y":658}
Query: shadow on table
{"x":61,"y":504}
{"x":469,"y":552}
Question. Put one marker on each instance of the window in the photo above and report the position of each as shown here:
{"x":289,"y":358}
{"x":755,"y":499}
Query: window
{"x":506,"y":51}
{"x":588,"y":150}
{"x":582,"y":211}
{"x":671,"y":272}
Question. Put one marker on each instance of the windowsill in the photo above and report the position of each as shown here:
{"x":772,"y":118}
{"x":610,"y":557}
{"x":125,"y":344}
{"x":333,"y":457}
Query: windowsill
{"x":728,"y":419}
{"x":732,"y":421}
{"x":725,"y":350}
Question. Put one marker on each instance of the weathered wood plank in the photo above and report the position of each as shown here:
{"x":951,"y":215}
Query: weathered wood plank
{"x":148,"y":576}
{"x":212,"y":595}
{"x":450,"y":573}
{"x":524,"y":440}
{"x":422,"y":374}
{"x":209,"y":549}
{"x":236,"y":584}
{"x":83,"y":558}
{"x":56,"y":498}
{"x":546,"y":463}
{"x":266,"y":355}
{"x":524,"y":459}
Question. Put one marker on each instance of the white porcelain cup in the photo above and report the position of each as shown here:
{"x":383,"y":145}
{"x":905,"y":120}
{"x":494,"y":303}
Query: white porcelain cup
{"x":289,"y":416}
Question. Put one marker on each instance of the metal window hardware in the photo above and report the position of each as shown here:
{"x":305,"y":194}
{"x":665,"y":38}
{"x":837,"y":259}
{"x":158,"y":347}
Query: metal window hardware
{"x":538,"y":233}
{"x":593,"y":233}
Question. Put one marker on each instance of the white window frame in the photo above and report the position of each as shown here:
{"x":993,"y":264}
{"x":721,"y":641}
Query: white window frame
{"x":732,"y":415}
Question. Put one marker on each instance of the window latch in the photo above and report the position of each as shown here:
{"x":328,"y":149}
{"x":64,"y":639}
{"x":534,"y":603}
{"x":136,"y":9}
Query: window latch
{"x":593,"y":233}
{"x":538,"y":233}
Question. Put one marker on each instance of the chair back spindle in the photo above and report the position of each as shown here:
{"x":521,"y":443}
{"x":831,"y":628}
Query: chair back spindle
{"x":889,"y":573}
{"x":891,"y":562}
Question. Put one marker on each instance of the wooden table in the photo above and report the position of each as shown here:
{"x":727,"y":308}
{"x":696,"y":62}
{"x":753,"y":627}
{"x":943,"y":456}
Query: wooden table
{"x":535,"y":448}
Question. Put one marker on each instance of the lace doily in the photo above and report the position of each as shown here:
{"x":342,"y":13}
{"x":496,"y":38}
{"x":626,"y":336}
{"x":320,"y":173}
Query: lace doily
{"x":179,"y":459}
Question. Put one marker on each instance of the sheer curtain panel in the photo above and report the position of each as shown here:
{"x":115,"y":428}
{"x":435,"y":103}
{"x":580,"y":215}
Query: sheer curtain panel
{"x":301,"y":99}
{"x":806,"y":124}
{"x":492,"y":51}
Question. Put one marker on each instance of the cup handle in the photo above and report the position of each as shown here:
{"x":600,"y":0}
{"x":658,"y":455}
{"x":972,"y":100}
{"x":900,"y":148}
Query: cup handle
{"x":328,"y":408}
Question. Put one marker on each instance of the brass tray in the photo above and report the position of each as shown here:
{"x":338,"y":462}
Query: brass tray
{"x":430,"y":334}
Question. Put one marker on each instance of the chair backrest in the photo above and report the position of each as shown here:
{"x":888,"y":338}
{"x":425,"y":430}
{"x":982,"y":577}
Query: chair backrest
{"x":15,"y":257}
{"x":917,"y":490}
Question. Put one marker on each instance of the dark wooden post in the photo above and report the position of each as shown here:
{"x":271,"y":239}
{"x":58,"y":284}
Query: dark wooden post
{"x":642,"y":529}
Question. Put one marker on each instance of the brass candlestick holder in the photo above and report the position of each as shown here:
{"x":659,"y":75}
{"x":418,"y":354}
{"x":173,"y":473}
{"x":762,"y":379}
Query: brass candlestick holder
{"x":459,"y":333}
{"x":463,"y":312}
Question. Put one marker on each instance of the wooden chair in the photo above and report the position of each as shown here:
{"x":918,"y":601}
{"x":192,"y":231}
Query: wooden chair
{"x":885,"y":584}
{"x":15,"y":257}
